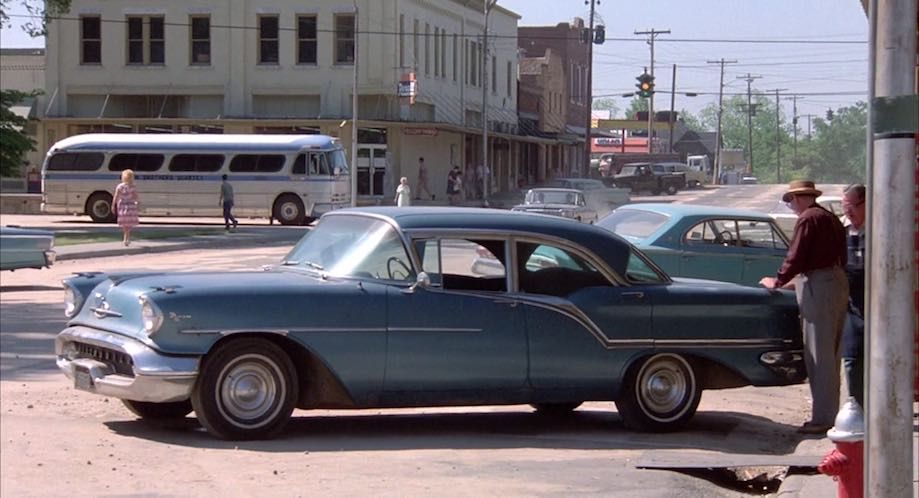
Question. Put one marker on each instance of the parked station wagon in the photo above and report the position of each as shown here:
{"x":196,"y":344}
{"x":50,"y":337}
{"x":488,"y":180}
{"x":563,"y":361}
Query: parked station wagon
{"x":732,"y":245}
{"x":379,"y":308}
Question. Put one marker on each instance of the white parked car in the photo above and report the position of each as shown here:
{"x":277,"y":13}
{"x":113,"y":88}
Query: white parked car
{"x":564,"y":202}
{"x":785,"y":218}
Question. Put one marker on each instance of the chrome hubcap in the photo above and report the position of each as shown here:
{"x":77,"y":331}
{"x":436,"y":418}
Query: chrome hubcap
{"x":250,"y":390}
{"x":289,"y":210}
{"x":664,"y":386}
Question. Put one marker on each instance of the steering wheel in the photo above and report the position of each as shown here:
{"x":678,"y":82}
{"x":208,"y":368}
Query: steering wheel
{"x":395,"y":271}
{"x":726,"y":237}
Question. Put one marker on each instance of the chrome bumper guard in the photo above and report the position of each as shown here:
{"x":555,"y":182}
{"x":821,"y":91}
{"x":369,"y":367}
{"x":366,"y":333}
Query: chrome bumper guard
{"x":157,"y":378}
{"x":789,"y":364}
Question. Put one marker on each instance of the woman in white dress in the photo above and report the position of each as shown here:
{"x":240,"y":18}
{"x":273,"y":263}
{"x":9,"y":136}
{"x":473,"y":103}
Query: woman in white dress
{"x":403,"y":193}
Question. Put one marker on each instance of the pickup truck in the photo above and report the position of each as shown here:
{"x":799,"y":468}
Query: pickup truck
{"x":641,"y":176}
{"x":694,"y":178}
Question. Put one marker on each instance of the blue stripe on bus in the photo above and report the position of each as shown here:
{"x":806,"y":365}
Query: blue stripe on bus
{"x":184,"y":178}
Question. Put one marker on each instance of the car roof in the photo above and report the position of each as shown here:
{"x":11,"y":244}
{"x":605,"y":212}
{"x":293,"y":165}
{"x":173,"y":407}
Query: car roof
{"x":611,"y":247}
{"x":697,"y":210}
{"x":556,"y":189}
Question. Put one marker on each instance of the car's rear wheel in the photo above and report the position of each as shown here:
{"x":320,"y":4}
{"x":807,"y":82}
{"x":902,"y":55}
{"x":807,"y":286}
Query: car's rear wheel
{"x":672,"y":190}
{"x":99,"y":208}
{"x":555,"y":409}
{"x":158,"y":411}
{"x":246,"y":389}
{"x":660,"y":393}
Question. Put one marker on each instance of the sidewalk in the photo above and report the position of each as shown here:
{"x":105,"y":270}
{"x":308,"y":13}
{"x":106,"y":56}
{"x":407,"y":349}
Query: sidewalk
{"x":242,"y":238}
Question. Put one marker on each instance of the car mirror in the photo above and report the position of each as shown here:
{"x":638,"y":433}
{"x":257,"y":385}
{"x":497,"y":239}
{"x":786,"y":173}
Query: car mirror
{"x":423,"y":280}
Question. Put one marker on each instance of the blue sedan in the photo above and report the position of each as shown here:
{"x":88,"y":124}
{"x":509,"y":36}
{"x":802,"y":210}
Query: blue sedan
{"x":26,"y":248}
{"x":380,"y":308}
{"x":732,"y":245}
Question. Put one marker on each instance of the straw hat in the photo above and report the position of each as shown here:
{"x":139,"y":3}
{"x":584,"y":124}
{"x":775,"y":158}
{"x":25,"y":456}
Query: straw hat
{"x":800,"y":187}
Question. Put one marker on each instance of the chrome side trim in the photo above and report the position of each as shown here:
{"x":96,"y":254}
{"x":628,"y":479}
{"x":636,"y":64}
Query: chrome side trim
{"x":433,"y":329}
{"x":104,"y":312}
{"x":283,"y":332}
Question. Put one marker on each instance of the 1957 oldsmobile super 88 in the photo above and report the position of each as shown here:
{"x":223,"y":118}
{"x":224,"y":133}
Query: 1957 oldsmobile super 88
{"x":378,"y":307}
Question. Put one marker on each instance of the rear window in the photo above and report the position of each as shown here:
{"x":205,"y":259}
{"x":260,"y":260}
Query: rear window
{"x":76,"y":161}
{"x":196,"y":162}
{"x":633,"y":222}
{"x":136,"y":162}
{"x":258,"y":163}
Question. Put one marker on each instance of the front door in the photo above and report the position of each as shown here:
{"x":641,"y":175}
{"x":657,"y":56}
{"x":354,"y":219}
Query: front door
{"x":371,"y":170}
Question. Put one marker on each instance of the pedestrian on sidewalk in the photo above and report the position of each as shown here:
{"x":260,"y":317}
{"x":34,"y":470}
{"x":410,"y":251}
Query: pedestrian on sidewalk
{"x":815,"y":261}
{"x":423,"y":180}
{"x":853,"y":335}
{"x":403,"y":193}
{"x":125,"y":202}
{"x":226,"y":200}
{"x":455,"y":186}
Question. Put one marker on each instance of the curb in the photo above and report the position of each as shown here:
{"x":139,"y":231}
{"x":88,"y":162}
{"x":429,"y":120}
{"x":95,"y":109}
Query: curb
{"x":85,"y":251}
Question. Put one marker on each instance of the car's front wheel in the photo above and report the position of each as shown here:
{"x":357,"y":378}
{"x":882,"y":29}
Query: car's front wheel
{"x":246,"y":389}
{"x":672,"y":190}
{"x":158,"y":411}
{"x":660,"y":393}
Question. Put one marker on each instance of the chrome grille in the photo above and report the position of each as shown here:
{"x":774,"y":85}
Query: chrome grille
{"x":121,"y":362}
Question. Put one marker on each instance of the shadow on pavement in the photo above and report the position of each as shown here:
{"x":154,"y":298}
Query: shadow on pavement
{"x":27,"y":332}
{"x":583,"y":430}
{"x":29,"y":288}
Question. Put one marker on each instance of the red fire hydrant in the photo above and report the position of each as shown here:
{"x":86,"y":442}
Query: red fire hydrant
{"x":846,"y":462}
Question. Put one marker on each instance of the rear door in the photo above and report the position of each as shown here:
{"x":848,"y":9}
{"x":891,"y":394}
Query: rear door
{"x":710,"y":250}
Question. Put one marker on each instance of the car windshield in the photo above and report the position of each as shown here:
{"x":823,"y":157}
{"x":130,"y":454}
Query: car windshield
{"x":353,"y":246}
{"x":633,"y":222}
{"x":628,"y":171}
{"x":551,"y":197}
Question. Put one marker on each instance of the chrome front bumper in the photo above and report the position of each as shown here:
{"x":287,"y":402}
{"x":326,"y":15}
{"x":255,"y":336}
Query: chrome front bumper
{"x":97,"y":362}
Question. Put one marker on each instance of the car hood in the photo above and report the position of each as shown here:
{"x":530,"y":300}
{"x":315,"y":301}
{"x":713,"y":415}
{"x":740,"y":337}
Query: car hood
{"x":219,"y":303}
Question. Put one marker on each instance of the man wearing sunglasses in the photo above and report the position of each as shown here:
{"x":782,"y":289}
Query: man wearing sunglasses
{"x":853,"y":336}
{"x":815,"y":262}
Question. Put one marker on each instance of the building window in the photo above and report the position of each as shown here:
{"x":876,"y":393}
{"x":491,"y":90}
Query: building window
{"x":146,"y":40}
{"x":401,"y":41}
{"x":455,"y":44}
{"x":416,"y":46}
{"x":268,"y":41}
{"x":510,"y":68}
{"x":306,"y":39}
{"x":436,"y":51}
{"x":494,"y":74}
{"x":91,"y":40}
{"x":200,"y":40}
{"x":467,"y":71}
{"x":344,"y":38}
{"x":427,"y":48}
{"x":443,"y":53}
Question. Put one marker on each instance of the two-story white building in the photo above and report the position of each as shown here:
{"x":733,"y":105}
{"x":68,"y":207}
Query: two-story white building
{"x":261,"y":66}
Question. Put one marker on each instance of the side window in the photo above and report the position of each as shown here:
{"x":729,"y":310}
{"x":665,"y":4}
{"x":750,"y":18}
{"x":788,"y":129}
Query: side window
{"x":550,"y":270}
{"x":257,"y":163}
{"x":712,"y":232}
{"x":639,"y":271}
{"x":759,"y":234}
{"x":196,"y":162}
{"x":464,"y":264}
{"x":76,"y":161}
{"x":318,"y":164}
{"x":136,"y":162}
{"x":299,"y":165}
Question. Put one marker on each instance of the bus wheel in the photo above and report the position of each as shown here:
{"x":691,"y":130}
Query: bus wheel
{"x":99,"y":208}
{"x":288,"y":210}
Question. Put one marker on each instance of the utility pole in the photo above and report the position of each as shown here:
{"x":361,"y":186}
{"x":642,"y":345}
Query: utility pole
{"x":891,"y":272}
{"x":354,"y":115}
{"x":794,"y":123}
{"x":588,"y":141}
{"x":808,"y":116}
{"x":486,"y":169}
{"x":652,"y":35}
{"x":672,"y":103}
{"x":716,"y":172}
{"x":778,"y":141}
{"x":750,"y":111}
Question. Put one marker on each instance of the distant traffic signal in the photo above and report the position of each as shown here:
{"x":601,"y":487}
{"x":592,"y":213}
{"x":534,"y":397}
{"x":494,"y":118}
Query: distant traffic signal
{"x":645,"y":85}
{"x":599,"y":34}
{"x":829,"y":114}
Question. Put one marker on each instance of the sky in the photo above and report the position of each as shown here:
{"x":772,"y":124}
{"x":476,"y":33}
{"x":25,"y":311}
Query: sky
{"x":821,"y":65}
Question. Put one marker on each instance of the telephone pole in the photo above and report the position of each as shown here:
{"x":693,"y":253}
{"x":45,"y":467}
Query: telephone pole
{"x":590,"y":99}
{"x":751,"y":110}
{"x":794,"y":123}
{"x":778,"y":141}
{"x":652,"y":35}
{"x":486,"y":170}
{"x":672,"y":103}
{"x":716,"y":172}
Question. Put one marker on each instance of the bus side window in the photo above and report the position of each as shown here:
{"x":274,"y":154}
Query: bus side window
{"x":299,"y":167}
{"x":76,"y":161}
{"x":323,"y":164}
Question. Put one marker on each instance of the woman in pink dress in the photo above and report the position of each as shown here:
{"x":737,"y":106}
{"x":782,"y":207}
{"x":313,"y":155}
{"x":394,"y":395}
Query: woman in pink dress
{"x":125,"y":202}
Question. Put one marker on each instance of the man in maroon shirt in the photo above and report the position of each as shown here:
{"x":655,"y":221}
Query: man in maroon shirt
{"x":815,"y":261}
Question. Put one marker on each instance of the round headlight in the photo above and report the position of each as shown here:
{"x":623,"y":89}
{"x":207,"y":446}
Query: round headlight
{"x":151,"y":315}
{"x":71,"y":301}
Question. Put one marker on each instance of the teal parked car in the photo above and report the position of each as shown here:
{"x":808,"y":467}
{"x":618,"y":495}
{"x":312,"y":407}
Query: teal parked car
{"x":685,"y":240}
{"x":380,"y":308}
{"x":26,"y":248}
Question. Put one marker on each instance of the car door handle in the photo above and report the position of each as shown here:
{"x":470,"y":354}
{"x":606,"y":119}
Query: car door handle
{"x":636,"y":295}
{"x":510,"y":302}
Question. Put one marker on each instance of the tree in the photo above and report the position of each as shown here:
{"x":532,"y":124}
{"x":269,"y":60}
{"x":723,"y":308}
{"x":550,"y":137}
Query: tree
{"x":13,"y":142}
{"x":692,"y":122}
{"x":836,"y":154}
{"x":41,"y":12}
{"x":637,"y":104}
{"x":606,"y":104}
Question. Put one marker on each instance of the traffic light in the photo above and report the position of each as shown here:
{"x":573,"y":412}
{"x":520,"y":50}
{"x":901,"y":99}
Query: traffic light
{"x":599,"y":34}
{"x":829,"y":114}
{"x":645,"y":85}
